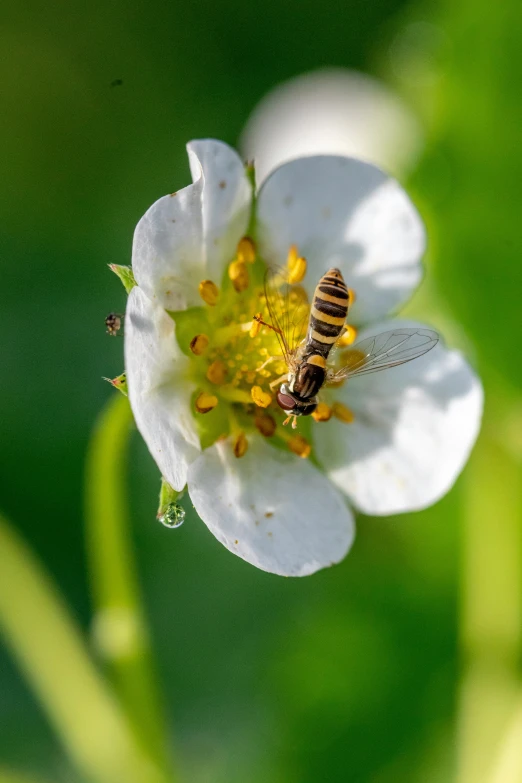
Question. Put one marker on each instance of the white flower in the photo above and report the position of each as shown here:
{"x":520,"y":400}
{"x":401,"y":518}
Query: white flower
{"x":193,"y":374}
{"x":332,"y":111}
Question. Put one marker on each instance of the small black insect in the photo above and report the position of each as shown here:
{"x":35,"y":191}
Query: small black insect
{"x":113,"y":322}
{"x":116,"y":82}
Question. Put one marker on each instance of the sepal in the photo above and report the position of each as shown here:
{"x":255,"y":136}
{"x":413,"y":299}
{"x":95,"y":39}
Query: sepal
{"x":120,"y":383}
{"x":125,"y":274}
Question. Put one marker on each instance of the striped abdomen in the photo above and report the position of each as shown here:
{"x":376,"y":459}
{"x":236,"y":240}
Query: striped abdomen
{"x":327,"y":318}
{"x":328,"y":315}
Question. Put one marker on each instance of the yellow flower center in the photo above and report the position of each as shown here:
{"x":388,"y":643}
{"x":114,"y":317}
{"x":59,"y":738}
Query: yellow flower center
{"x":236,"y":361}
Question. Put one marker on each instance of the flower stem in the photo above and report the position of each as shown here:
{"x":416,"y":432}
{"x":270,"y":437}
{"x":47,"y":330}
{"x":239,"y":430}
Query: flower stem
{"x":491,"y":609}
{"x":50,"y":650}
{"x":120,"y":628}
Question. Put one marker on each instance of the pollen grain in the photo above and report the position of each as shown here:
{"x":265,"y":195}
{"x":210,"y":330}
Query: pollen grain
{"x":261,"y":398}
{"x":199,"y":344}
{"x":205,"y":402}
{"x":209,"y":292}
{"x":342,"y":412}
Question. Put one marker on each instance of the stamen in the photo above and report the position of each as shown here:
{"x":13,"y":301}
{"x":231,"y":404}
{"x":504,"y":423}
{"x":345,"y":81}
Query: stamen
{"x":238,"y":273}
{"x":266,"y":424}
{"x":299,"y":446}
{"x":348,"y":336}
{"x":217,"y":372}
{"x":209,"y":292}
{"x":261,"y":398}
{"x":256,"y":325}
{"x":296,"y":266}
{"x":351,"y":296}
{"x":198,"y":344}
{"x":342,"y":412}
{"x":246,"y":250}
{"x":230,"y":393}
{"x":240,"y":445}
{"x":205,"y":402}
{"x":323,"y":412}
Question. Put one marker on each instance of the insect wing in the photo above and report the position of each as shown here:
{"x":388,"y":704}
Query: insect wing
{"x":385,"y":350}
{"x":288,"y":308}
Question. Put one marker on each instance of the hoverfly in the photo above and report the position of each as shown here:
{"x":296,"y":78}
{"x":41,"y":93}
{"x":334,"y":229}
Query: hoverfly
{"x":307,"y":335}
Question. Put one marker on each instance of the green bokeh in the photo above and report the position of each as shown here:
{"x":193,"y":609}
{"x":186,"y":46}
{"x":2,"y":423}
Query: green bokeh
{"x":350,"y":675}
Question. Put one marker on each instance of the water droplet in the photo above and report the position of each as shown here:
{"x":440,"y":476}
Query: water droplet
{"x":174,"y":515}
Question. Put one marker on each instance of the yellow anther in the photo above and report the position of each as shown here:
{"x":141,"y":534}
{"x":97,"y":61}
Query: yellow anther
{"x":246,"y":250}
{"x":266,"y":424}
{"x":217,"y":372}
{"x":296,"y":266}
{"x":256,"y":325}
{"x":323,"y":412}
{"x":198,"y":344}
{"x":261,"y":398}
{"x":348,"y":336}
{"x":292,"y":256}
{"x":299,"y":446}
{"x":342,"y":413}
{"x":351,"y":296}
{"x":209,"y":292}
{"x":238,"y":273}
{"x":205,"y":402}
{"x":240,"y":445}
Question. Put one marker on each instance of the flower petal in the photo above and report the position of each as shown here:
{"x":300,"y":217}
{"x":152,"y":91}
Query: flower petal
{"x":227,"y":201}
{"x":271,"y":508}
{"x":348,"y":214}
{"x":159,"y":393}
{"x":413,"y":431}
{"x":192,"y":234}
{"x":332,"y":111}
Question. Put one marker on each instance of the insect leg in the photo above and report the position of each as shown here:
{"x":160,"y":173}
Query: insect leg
{"x":270,"y":359}
{"x":259,"y":320}
{"x":278,"y":380}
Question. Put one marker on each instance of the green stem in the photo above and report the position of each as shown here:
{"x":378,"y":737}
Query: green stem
{"x":491,"y":608}
{"x":119,"y":623}
{"x":50,"y":650}
{"x":508,"y":764}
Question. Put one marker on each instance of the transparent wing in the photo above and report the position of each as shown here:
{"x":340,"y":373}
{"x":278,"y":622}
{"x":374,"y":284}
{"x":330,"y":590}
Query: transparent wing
{"x":388,"y":349}
{"x":288,"y":309}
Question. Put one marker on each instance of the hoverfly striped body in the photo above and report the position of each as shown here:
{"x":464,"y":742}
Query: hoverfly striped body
{"x":327,"y":318}
{"x":306,"y":354}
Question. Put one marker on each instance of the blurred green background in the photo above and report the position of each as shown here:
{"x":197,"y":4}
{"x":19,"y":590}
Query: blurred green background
{"x":402,"y":663}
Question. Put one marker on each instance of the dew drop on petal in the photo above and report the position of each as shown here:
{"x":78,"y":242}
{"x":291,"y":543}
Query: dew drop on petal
{"x":174,"y":515}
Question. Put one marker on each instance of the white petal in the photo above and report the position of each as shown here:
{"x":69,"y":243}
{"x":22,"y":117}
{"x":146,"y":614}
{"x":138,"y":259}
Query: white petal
{"x":192,"y":234}
{"x":345,"y":213}
{"x":271,"y":508}
{"x":414,"y":428}
{"x":227,"y":201}
{"x":332,"y":111}
{"x":159,"y":392}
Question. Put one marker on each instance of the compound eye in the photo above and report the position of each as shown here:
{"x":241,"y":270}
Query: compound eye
{"x":285,"y":402}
